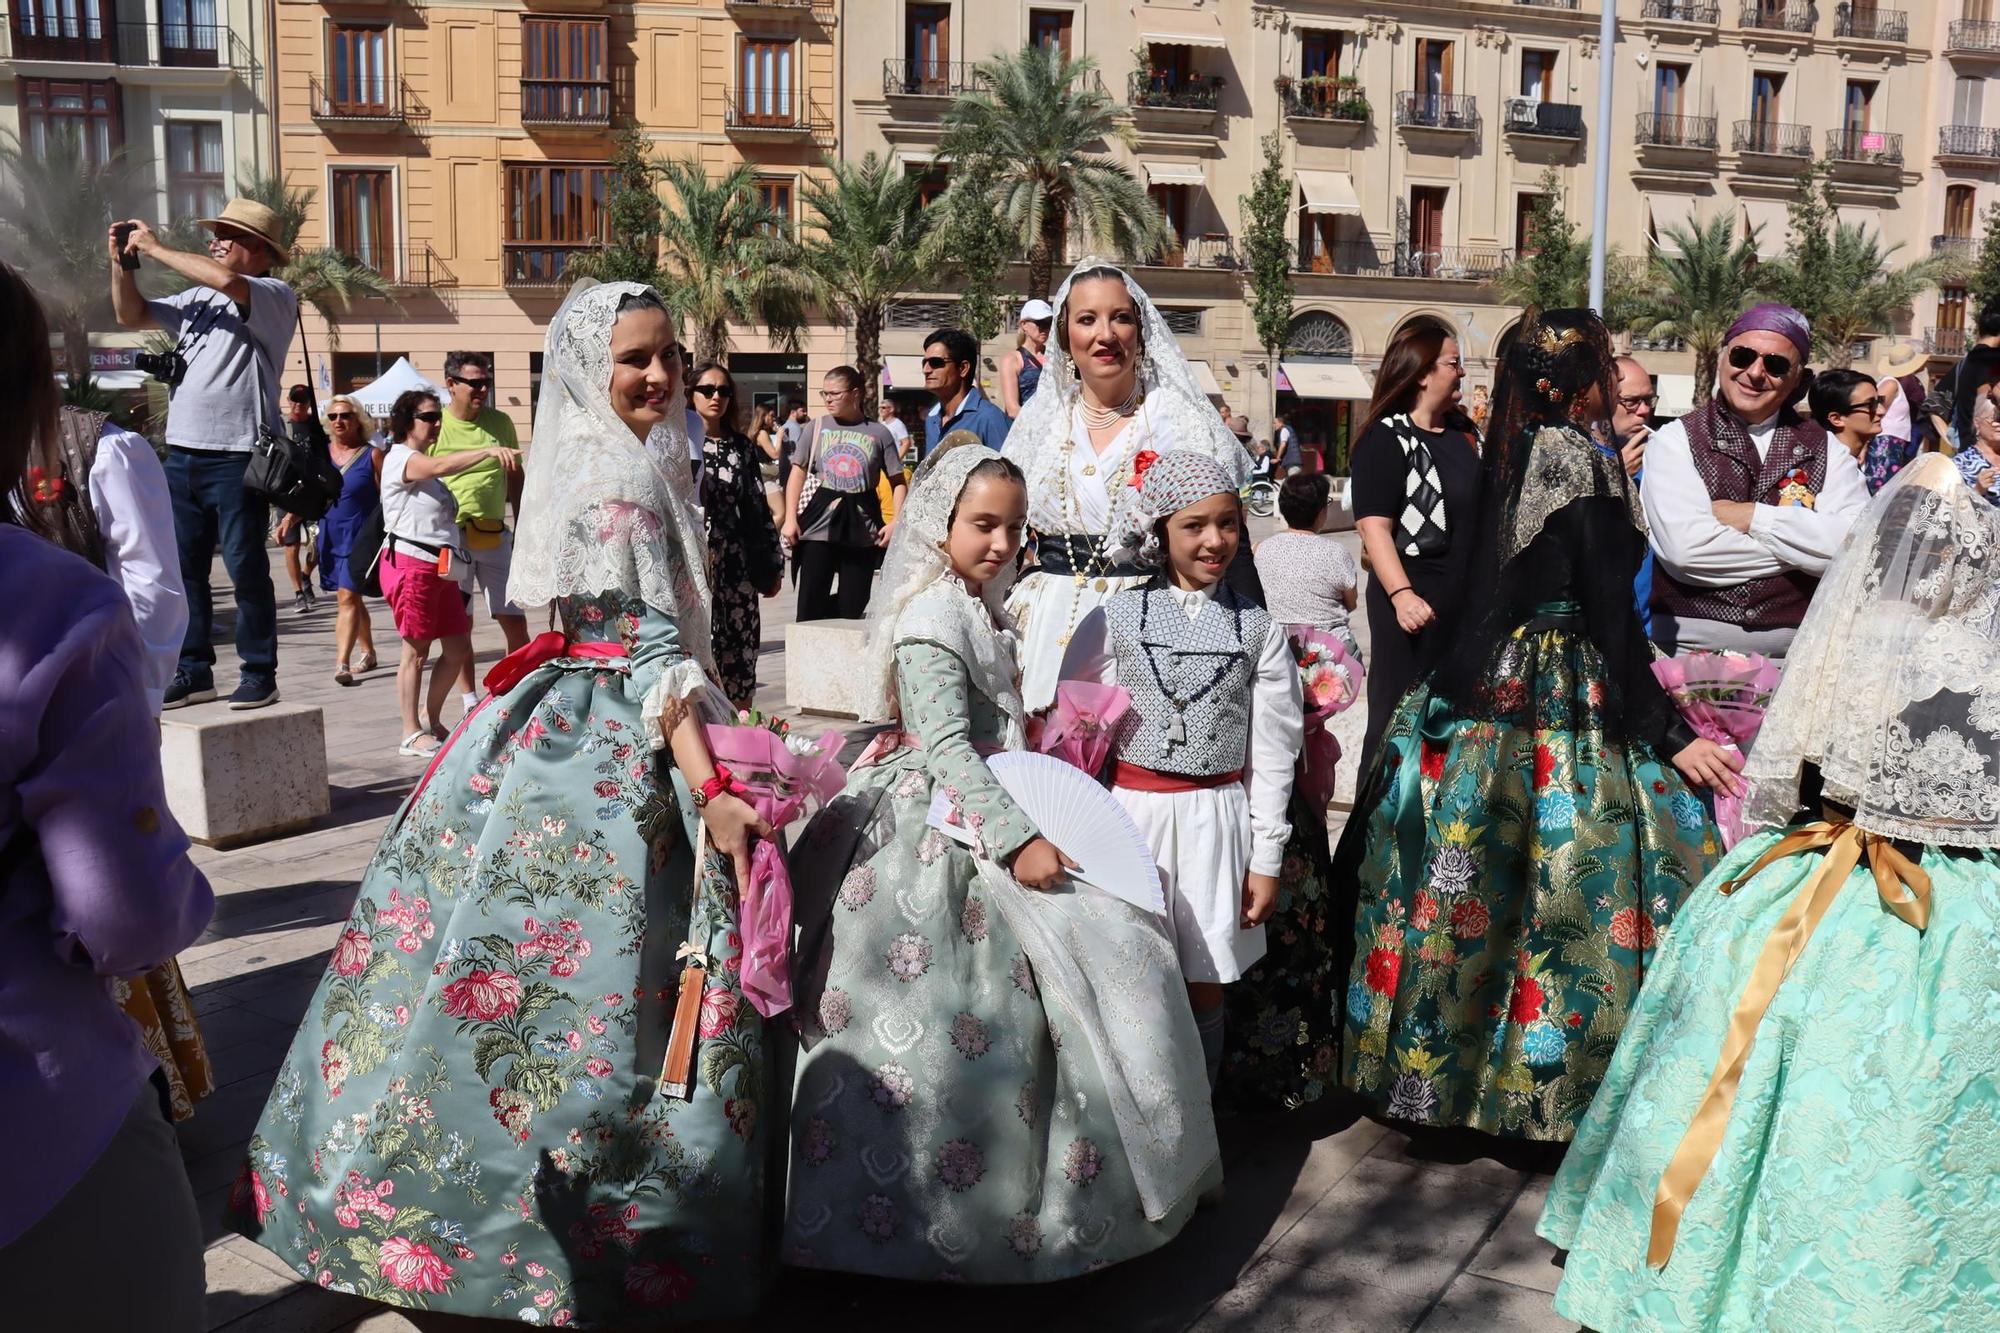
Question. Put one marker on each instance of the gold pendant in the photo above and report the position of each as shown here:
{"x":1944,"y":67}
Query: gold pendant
{"x":1103,"y":586}
{"x":1090,"y":469}
{"x":1078,"y":577}
{"x":1063,"y":642}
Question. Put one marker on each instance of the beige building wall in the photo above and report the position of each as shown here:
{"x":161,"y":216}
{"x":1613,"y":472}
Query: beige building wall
{"x":1411,"y":218}
{"x":461,"y":111}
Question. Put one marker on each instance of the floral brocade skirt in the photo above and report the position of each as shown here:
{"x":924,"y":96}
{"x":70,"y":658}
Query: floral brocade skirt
{"x":1517,"y":868}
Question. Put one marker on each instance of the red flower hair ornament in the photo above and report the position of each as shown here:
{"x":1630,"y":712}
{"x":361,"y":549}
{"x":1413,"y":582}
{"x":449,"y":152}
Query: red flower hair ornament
{"x":1142,"y":460}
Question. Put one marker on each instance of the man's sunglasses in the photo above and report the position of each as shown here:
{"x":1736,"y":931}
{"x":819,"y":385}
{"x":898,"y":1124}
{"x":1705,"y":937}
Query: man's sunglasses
{"x":432,"y":417}
{"x":1742,"y":358}
{"x":477,"y":386}
{"x":340,"y":416}
{"x":713,"y":390}
{"x":936,"y":362}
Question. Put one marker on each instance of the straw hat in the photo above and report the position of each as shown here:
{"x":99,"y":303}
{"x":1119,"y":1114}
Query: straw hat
{"x":253,"y":217}
{"x":1901,"y":357}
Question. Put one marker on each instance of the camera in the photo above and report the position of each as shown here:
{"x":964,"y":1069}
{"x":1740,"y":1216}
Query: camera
{"x":170,"y":368}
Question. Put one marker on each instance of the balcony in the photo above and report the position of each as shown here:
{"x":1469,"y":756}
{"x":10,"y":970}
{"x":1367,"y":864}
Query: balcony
{"x":1438,"y":111}
{"x":1964,"y":249}
{"x":364,"y":104}
{"x":1768,"y":138}
{"x":1681,"y":11}
{"x":83,"y":39}
{"x":1871,"y":25}
{"x":1156,"y":91}
{"x":818,"y":9}
{"x":927,"y":78}
{"x":1323,"y":99}
{"x":1778,"y":18}
{"x":407,"y":267}
{"x":1546,"y":120}
{"x":540,"y":264}
{"x":763,"y":114}
{"x":583,"y":104}
{"x":1548,"y":4}
{"x":1212,"y":250}
{"x":1365,"y":259}
{"x":1973,"y":37}
{"x":1968,"y":141}
{"x":1945,"y":342}
{"x":1871,"y":148}
{"x":1693,"y":133}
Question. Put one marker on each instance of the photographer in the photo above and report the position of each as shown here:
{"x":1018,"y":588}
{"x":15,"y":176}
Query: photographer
{"x":233,"y":327}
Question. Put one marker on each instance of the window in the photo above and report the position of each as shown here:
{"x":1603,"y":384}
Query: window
{"x":775,"y":193}
{"x":1172,"y":66}
{"x":357,"y":69}
{"x":1172,"y":201}
{"x":194,"y":169}
{"x":565,"y":70}
{"x":189,"y":34}
{"x":1538,"y":75}
{"x":1427,"y":205}
{"x":1318,"y":242}
{"x":64,"y":30}
{"x":764,"y":88}
{"x":1524,"y":224}
{"x":1050,"y":28}
{"x":1966,"y":96}
{"x":553,"y":211}
{"x":1765,"y":89}
{"x":88,"y":111}
{"x":1433,"y":67}
{"x":364,"y":219}
{"x":1319,"y":53}
{"x":1670,"y":90}
{"x":357,"y":370}
{"x":1951,"y":309}
{"x":1958,"y":212}
{"x":931,"y":178}
{"x":1858,"y":107}
{"x":927,"y":43}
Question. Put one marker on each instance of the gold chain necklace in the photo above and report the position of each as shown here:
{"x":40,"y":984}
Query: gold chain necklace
{"x":1071,"y":507}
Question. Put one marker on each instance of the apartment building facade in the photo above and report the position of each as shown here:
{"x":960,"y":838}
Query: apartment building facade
{"x":461,"y":150}
{"x":1419,"y":136}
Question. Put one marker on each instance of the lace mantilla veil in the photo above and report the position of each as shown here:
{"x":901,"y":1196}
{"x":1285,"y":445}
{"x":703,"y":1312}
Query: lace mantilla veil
{"x":920,"y":597}
{"x":1892,"y":687}
{"x":601,"y":510}
{"x":1176,"y":415}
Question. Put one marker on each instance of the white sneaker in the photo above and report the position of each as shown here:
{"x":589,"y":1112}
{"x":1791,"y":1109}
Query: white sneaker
{"x":466,"y":703}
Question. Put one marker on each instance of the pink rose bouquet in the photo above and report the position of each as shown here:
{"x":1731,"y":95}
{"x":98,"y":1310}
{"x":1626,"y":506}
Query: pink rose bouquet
{"x":1330,"y":680}
{"x":1079,"y":728}
{"x":1723,"y":697}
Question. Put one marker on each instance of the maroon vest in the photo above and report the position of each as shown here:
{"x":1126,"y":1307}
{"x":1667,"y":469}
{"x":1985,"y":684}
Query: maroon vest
{"x":1726,"y":460}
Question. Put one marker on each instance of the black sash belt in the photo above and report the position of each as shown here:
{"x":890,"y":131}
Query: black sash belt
{"x":1068,"y":553}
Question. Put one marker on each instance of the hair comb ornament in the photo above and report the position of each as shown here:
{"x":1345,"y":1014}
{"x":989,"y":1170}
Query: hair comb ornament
{"x":1555,"y":342}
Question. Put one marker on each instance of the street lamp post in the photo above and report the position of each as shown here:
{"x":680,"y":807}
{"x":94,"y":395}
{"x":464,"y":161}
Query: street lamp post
{"x":1607,"y":36}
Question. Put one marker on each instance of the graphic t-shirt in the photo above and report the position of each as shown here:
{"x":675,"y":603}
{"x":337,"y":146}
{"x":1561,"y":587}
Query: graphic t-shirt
{"x":848,"y":460}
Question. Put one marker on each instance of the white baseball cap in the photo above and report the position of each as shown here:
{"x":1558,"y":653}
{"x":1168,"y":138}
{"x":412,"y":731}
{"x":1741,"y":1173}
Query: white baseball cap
{"x":1037,"y":309}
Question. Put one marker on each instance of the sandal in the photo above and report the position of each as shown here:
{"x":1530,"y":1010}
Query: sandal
{"x":343,"y":674}
{"x":414,"y":750}
{"x":366,"y":663}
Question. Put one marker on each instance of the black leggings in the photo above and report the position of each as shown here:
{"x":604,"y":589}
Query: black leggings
{"x":818,"y":563}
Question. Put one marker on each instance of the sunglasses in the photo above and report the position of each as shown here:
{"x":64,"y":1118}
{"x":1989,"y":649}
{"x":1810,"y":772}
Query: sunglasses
{"x":477,"y":386}
{"x":712,"y":390}
{"x":432,"y":417}
{"x":340,"y":416}
{"x":936,"y":362}
{"x":1872,"y":406}
{"x":1742,"y":358}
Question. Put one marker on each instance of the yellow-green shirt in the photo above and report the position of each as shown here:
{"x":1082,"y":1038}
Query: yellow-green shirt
{"x":481,"y":491}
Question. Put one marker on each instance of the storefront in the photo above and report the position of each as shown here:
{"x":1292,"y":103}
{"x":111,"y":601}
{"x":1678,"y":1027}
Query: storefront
{"x":1324,"y":400}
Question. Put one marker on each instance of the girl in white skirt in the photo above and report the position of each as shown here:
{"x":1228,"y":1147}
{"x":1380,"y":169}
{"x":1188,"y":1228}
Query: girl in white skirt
{"x":1205,"y":756}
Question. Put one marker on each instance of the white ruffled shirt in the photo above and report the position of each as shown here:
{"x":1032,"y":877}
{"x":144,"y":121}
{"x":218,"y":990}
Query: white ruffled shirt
{"x":135,"y":515}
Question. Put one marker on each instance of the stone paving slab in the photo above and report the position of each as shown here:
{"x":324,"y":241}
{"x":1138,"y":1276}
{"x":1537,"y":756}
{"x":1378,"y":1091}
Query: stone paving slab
{"x":1330,"y":1222}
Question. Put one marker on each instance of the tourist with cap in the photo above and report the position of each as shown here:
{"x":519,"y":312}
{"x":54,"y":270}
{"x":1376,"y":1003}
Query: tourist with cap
{"x":1899,"y":378}
{"x":1747,"y":502}
{"x":1021,"y":369}
{"x":232,"y":327}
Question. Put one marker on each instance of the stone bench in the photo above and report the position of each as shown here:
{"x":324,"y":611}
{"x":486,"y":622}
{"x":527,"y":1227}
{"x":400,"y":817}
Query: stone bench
{"x":234,"y":778}
{"x":823,"y":668}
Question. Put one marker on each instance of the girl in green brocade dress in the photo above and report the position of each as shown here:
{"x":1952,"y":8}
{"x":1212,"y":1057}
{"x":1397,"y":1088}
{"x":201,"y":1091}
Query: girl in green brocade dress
{"x":998,"y":1085}
{"x":470,"y":1117}
{"x":1523,"y":839}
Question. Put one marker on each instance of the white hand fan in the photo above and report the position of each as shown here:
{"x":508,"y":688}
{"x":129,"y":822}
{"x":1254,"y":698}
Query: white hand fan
{"x":1084,"y":821}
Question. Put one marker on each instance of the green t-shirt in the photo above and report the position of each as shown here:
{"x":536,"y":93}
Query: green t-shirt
{"x":481,"y":491}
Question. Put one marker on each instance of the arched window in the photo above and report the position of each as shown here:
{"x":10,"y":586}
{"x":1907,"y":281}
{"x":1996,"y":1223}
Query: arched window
{"x":1317,"y":333}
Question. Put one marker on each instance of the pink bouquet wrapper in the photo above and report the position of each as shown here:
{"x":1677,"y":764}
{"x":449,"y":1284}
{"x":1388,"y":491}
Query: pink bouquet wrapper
{"x":1330,"y":680}
{"x":1079,"y":727}
{"x":780,"y":781}
{"x":1723,"y":696}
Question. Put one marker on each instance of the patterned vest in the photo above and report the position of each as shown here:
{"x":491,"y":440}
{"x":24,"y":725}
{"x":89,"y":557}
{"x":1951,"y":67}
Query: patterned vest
{"x":1726,"y":460}
{"x":1189,"y":680}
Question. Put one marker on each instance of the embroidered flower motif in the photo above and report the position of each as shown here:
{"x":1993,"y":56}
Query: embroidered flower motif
{"x":1452,"y":870}
{"x":858,"y":888}
{"x":1469,"y":919}
{"x":333,"y":1067}
{"x":1545,"y":766}
{"x":960,"y":1165}
{"x":817,"y":1144}
{"x":879,"y":1217}
{"x":1431,"y":761}
{"x":1024,"y":1235}
{"x":1632,"y":929}
{"x":515,"y":1112}
{"x":1543,"y":1044}
{"x":1360,"y":1003}
{"x":968,"y":1035}
{"x":1688,"y":813}
{"x":658,"y":1283}
{"x":835,"y":1009}
{"x":1383,"y":968}
{"x":413,"y":1266}
{"x":909,"y":956}
{"x":1528,"y":1000}
{"x":1023,"y":976}
{"x":972,"y":919}
{"x":1025,"y":1102}
{"x":352,"y":952}
{"x":1555,"y":810}
{"x":718,"y":1011}
{"x":891,"y":1087}
{"x":1425,"y":913}
{"x":481,"y":996}
{"x":1413,"y":1097}
{"x":1082,"y":1162}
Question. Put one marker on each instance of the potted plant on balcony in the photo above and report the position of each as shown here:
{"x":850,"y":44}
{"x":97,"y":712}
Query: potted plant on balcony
{"x":1284,"y":83}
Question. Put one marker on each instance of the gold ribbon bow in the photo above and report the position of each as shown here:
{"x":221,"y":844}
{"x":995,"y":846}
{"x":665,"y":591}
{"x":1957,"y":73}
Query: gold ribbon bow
{"x":1905,"y":890}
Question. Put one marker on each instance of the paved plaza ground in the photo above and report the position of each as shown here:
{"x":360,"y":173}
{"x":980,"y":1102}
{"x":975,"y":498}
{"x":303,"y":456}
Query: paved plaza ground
{"x":1330,"y":1223}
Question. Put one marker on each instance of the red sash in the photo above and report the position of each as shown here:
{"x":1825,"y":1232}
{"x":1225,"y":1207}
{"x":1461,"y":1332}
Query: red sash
{"x":1134,"y":778}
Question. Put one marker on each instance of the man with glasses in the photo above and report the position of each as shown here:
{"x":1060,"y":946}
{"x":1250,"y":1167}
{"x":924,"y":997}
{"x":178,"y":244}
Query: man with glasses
{"x":951,"y":373}
{"x":483,"y":491}
{"x":1747,"y":502}
{"x":232,"y":328}
{"x":1631,"y":418}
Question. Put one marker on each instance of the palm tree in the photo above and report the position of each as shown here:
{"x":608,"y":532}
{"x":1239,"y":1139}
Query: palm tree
{"x":1867,"y":292}
{"x":1695,"y":296}
{"x":55,"y":207}
{"x":324,"y":278}
{"x":723,"y":253}
{"x":1038,"y":122}
{"x":866,"y":244}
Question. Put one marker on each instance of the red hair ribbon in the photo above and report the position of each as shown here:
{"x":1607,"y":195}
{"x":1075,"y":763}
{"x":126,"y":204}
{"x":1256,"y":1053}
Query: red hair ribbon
{"x":1142,"y":460}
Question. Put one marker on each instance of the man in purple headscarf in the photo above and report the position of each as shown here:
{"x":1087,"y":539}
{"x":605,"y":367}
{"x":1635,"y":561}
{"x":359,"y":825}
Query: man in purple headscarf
{"x":1746,"y":501}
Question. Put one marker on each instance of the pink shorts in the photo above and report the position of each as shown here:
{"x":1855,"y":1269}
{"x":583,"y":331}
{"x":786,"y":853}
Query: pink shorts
{"x":425,"y":606}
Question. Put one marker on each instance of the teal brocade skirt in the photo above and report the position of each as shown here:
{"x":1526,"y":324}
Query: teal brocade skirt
{"x":1517,"y":868}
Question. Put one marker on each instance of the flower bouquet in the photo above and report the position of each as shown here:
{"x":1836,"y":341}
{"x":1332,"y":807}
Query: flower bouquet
{"x":1330,"y":680}
{"x":1079,"y":728}
{"x":1723,"y":697}
{"x":782,"y":773}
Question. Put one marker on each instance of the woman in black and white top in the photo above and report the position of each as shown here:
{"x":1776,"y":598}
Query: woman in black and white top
{"x":421,"y":565}
{"x":1415,"y":490}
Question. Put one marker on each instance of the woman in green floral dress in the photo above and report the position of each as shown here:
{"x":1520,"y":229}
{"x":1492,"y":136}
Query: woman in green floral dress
{"x":1524,"y":838}
{"x":471,"y":1118}
{"x":999,"y":1085}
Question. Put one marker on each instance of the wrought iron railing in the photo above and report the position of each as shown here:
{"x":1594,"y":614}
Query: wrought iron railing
{"x":1876,"y":147}
{"x":928,"y":78}
{"x":1680,"y":11}
{"x":1945,"y":342}
{"x":760,"y":111}
{"x":1365,"y":259}
{"x":1214,"y":250}
{"x":87,"y":39}
{"x":1550,"y":120}
{"x":1152,"y":89}
{"x":1773,"y":139}
{"x":1954,"y":247}
{"x":540,"y":263}
{"x":818,"y":8}
{"x":1438,"y":111}
{"x":1661,"y":131}
{"x":363,"y":101}
{"x":1968,"y":141}
{"x":1328,"y":99}
{"x":1778,"y":18}
{"x":1874,"y":25}
{"x":412,"y":267}
{"x":565,"y":101}
{"x":1972,"y":35}
{"x":1548,"y":4}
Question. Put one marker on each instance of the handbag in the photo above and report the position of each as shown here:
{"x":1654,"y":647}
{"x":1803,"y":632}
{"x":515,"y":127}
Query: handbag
{"x":483,"y":534}
{"x":810,"y":487}
{"x":364,"y":568}
{"x":296,"y":476}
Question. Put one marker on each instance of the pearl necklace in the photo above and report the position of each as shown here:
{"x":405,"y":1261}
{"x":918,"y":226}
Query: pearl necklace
{"x":1103,"y":418}
{"x":1071,"y":507}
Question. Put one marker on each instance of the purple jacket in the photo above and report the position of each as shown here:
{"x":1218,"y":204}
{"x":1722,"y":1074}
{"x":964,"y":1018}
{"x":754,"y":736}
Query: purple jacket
{"x":95,"y":879}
